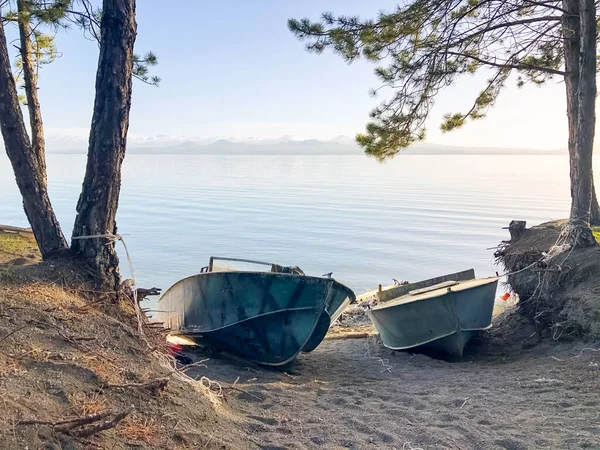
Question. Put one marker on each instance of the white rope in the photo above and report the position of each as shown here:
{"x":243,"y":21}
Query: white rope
{"x":384,"y":361}
{"x":117,"y":237}
{"x":560,"y":240}
{"x":204,"y":384}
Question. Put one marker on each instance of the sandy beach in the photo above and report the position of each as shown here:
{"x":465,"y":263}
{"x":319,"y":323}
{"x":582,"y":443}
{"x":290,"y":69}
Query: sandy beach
{"x":512,"y":394}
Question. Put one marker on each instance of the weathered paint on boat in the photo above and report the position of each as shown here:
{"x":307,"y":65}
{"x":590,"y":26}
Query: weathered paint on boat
{"x":265,"y":317}
{"x":335,"y":304}
{"x":438,"y":314}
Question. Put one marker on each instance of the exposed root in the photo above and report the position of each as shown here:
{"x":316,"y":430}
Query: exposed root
{"x":557,"y":283}
{"x":77,"y":427}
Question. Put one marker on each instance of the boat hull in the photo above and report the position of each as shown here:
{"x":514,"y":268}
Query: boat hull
{"x":445,"y":322}
{"x":264,"y":317}
{"x":335,"y":304}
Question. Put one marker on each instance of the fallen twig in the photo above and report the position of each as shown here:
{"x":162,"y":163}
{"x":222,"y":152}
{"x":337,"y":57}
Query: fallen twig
{"x":464,"y":403}
{"x":157,"y":385}
{"x":105,"y":425}
{"x":12,"y":332}
{"x":69,"y":426}
{"x":78,"y":421}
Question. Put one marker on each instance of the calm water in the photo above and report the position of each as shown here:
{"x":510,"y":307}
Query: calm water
{"x":411,"y":218}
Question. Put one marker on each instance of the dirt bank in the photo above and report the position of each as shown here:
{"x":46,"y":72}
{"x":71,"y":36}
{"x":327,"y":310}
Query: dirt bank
{"x":67,"y":354}
{"x":560,"y":293}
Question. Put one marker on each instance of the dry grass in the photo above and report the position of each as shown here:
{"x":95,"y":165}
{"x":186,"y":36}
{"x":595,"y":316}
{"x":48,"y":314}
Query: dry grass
{"x":9,"y":367}
{"x":596,"y":231}
{"x":61,"y":347}
{"x":15,"y":245}
{"x":107,"y":369}
{"x":84,"y":404}
{"x":137,"y":428}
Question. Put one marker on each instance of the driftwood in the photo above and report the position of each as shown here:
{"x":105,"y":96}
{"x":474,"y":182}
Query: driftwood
{"x":105,"y":425}
{"x":156,"y":386}
{"x":70,"y":426}
{"x":143,"y":293}
{"x":516,"y":229}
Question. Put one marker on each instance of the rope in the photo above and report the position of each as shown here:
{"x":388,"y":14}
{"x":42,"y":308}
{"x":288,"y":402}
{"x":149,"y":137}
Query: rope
{"x":562,"y":238}
{"x":507,"y":274}
{"x":117,"y":237}
{"x":205,"y":384}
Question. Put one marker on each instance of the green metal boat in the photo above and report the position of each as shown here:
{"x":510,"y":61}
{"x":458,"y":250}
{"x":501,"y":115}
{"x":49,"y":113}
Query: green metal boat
{"x":264,"y":312}
{"x":441,"y":313}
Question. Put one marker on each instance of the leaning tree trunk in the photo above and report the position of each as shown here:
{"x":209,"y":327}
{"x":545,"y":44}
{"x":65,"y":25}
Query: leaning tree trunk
{"x":28,"y":166}
{"x":571,"y":40}
{"x":97,"y":205}
{"x":30,"y":78}
{"x":580,"y":234}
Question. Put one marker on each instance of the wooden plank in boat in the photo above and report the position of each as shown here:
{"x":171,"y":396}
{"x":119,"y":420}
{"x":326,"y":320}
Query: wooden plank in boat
{"x":399,"y":291}
{"x":435,"y":287}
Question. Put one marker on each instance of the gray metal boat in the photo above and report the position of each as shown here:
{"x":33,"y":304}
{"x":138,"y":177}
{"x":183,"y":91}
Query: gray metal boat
{"x":442,"y":313}
{"x":264,"y":312}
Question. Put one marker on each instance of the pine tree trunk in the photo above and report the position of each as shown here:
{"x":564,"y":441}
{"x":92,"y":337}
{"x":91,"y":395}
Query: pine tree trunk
{"x":30,"y":171}
{"x":30,"y":78}
{"x":571,"y":41}
{"x":97,"y":205}
{"x":595,"y":209}
{"x":580,"y":233}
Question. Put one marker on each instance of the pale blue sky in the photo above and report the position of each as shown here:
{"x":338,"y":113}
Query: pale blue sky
{"x":233,"y":69}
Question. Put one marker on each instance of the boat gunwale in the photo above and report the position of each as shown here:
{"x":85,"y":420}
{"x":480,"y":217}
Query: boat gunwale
{"x":311,"y":277}
{"x":407,"y":298}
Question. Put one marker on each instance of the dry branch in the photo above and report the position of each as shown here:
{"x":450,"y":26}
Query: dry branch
{"x":105,"y":425}
{"x":71,"y":422}
{"x":12,"y":332}
{"x":70,"y":426}
{"x":156,"y":386}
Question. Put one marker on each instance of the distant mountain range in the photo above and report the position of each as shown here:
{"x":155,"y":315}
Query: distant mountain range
{"x":285,"y":145}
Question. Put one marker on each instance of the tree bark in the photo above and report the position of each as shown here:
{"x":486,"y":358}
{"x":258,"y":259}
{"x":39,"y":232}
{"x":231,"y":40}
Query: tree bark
{"x":97,"y":205}
{"x":571,"y":42}
{"x":30,"y":171}
{"x":580,"y":233}
{"x":595,"y":209}
{"x":30,"y":78}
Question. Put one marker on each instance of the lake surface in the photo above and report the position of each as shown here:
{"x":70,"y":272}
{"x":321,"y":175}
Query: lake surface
{"x":414,"y":217}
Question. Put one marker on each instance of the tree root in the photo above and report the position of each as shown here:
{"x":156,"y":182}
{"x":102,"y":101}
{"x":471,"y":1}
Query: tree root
{"x":76,"y":427}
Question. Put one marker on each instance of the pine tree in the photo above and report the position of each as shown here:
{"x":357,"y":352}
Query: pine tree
{"x":99,"y":199}
{"x":424,"y":46}
{"x":28,"y":157}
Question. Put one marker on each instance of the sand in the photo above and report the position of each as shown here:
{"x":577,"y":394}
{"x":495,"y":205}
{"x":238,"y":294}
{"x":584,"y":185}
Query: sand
{"x":508,"y":394}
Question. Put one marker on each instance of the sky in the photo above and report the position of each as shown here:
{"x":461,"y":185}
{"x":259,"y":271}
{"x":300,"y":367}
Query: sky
{"x":232,"y":69}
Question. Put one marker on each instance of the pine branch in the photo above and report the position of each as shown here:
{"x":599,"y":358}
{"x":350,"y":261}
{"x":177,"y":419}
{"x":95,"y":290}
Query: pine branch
{"x":506,"y":65}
